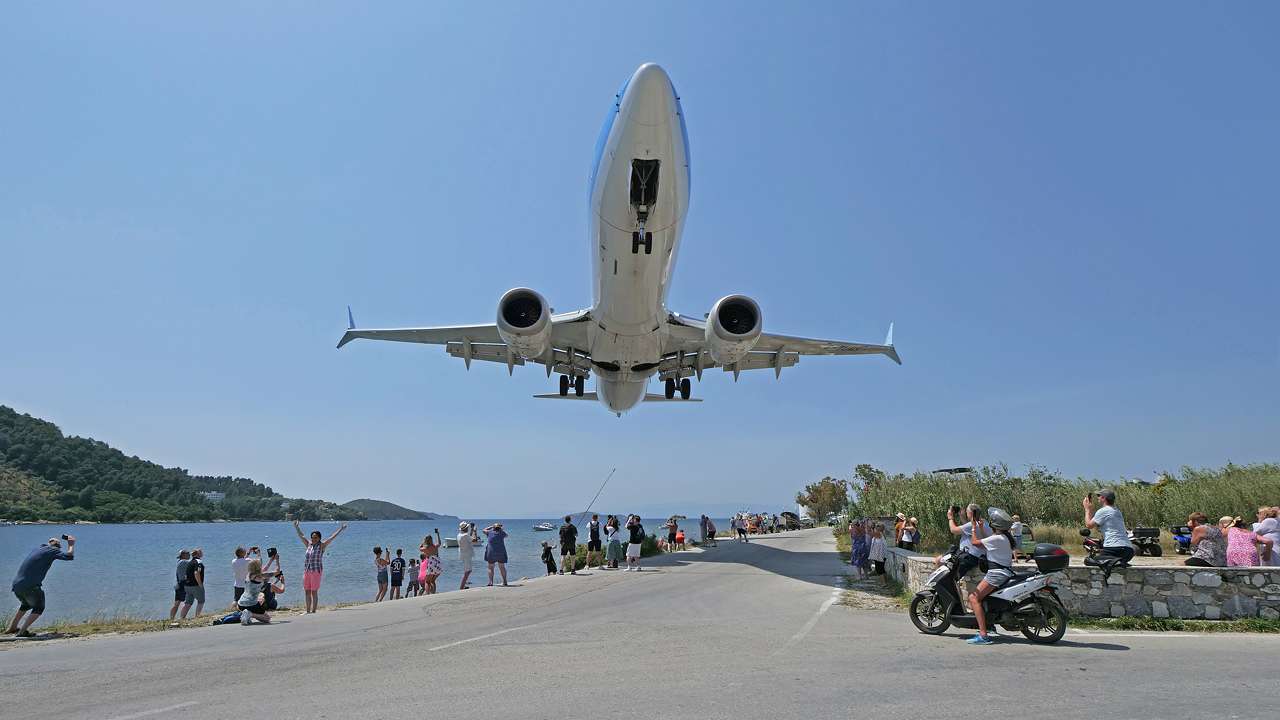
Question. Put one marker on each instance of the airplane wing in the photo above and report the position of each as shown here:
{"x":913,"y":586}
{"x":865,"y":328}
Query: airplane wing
{"x":687,"y":337}
{"x":482,"y":342}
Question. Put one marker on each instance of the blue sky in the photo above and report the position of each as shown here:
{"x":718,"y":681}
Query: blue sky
{"x":1069,"y":213}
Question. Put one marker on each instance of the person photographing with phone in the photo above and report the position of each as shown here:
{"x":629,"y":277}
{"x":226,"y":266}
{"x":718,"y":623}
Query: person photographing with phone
{"x":1116,"y":548}
{"x":27,"y":583}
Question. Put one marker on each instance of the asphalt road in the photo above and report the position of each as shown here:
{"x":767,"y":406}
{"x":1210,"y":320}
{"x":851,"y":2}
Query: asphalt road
{"x":742,"y":630}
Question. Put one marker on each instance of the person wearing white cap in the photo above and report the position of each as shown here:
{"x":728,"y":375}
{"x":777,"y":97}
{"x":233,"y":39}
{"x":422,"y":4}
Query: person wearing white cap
{"x":466,"y":549}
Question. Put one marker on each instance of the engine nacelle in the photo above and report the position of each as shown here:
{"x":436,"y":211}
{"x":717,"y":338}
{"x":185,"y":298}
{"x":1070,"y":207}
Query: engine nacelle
{"x":733,"y":328}
{"x":524,"y":322}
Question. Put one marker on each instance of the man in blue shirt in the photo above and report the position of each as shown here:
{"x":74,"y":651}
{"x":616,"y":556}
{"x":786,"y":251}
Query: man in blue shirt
{"x":26,"y":584}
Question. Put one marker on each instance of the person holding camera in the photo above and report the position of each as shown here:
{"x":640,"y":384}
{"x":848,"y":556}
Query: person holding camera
{"x":1116,"y":547}
{"x":999,"y":548}
{"x":251,"y":602}
{"x":240,"y":569}
{"x":467,"y":540}
{"x":970,"y":555}
{"x":431,"y":567}
{"x":27,"y":583}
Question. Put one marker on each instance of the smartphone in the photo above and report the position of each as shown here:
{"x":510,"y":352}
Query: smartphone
{"x":271,"y":552}
{"x":64,"y":537}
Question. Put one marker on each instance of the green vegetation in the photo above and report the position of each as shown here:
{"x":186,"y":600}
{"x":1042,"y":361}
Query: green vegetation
{"x":1250,"y":625}
{"x":825,"y":497}
{"x":1045,"y":498}
{"x":45,"y":475}
{"x":382,"y":510}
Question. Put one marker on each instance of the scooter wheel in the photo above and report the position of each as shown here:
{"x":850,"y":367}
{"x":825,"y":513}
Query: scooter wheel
{"x":927,"y":614}
{"x":1156,"y":551}
{"x":1054,"y":627}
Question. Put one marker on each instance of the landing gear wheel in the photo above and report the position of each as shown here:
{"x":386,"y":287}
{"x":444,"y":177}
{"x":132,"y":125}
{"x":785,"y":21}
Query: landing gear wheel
{"x":648,"y":243}
{"x":1053,"y":628}
{"x":927,"y":614}
{"x":684,"y":389}
{"x":564,"y":385}
{"x":635,"y":243}
{"x":671,"y":388}
{"x":578,"y":384}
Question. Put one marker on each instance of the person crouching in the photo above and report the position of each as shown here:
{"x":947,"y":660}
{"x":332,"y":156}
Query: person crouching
{"x":251,"y":603}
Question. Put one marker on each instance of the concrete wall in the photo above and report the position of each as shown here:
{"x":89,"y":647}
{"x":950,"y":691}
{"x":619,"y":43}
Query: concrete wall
{"x":1172,"y":591}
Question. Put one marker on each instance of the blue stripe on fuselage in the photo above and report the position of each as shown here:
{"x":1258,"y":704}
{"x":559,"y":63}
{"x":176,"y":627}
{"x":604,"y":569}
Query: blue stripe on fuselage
{"x":609,"y":119}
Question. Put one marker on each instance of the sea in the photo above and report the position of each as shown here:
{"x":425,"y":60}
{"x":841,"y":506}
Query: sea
{"x":130,"y":569}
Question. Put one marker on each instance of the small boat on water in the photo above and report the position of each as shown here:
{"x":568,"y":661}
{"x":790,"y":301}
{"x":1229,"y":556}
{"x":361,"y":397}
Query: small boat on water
{"x":544,"y":526}
{"x":452,"y":542}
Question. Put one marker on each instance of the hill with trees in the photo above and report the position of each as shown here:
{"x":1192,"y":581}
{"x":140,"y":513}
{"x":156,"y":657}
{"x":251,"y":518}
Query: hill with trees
{"x":45,"y":475}
{"x":382,"y":510}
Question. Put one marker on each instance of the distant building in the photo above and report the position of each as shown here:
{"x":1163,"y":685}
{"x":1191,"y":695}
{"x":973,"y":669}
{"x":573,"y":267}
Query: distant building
{"x":213,"y":496}
{"x":284,"y":505}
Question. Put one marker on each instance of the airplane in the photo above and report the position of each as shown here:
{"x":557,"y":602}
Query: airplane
{"x":639,"y":199}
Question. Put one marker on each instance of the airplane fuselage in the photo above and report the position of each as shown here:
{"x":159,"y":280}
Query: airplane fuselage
{"x":634,"y":231}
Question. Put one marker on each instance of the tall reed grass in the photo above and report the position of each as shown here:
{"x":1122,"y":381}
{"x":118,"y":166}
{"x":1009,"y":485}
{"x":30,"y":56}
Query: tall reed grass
{"x":1042,"y":497}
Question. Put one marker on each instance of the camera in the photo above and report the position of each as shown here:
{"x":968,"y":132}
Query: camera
{"x":64,"y":537}
{"x":956,"y":510}
{"x":271,"y":552}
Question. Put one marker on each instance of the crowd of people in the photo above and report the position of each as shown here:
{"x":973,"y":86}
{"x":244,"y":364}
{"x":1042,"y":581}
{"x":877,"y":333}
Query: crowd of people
{"x":1234,"y":541}
{"x":258,"y":577}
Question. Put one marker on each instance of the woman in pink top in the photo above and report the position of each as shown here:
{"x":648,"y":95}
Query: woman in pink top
{"x":1242,"y":545}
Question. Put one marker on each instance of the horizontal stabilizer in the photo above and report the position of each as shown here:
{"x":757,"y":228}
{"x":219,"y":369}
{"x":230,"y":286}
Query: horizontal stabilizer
{"x":650,"y":397}
{"x":592,"y":396}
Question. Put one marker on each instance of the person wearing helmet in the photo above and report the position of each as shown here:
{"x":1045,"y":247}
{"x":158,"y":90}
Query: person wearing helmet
{"x":999,"y":547}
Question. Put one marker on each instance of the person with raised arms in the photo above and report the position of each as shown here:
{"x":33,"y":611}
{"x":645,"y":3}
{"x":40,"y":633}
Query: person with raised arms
{"x":313,"y":565}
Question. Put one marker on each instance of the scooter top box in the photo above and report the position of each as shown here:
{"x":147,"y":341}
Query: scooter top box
{"x":1050,"y":558}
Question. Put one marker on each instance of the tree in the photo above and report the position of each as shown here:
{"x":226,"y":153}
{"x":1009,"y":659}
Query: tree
{"x":824,"y":497}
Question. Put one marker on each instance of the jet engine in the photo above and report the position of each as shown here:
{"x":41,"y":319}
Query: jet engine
{"x":733,"y":328}
{"x":524,"y":322}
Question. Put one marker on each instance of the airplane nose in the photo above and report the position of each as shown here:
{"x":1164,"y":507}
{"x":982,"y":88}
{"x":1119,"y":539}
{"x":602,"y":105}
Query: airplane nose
{"x":650,"y":99}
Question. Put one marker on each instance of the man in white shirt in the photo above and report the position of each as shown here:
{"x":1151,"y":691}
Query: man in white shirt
{"x":466,"y":549}
{"x":1116,"y":547}
{"x":240,"y":568}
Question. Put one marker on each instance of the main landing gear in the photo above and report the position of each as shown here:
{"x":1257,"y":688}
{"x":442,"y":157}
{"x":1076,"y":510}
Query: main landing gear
{"x":579,"y":384}
{"x":684,"y":386}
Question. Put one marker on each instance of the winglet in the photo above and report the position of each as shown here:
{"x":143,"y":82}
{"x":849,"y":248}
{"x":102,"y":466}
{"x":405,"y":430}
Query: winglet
{"x":347,"y":336}
{"x":351,"y":322}
{"x":887,"y":341}
{"x":889,"y":349}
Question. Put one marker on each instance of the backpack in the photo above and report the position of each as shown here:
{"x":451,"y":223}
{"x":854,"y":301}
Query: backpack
{"x":232,"y":619}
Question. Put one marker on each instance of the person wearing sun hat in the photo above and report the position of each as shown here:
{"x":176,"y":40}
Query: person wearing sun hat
{"x":899,"y":522}
{"x":466,"y":549}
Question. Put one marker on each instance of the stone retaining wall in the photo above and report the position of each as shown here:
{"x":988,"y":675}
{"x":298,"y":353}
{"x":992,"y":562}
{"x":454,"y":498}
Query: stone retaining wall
{"x":1172,"y":591}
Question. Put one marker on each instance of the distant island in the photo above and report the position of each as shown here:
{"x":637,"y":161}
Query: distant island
{"x":383,"y":510}
{"x":46,"y":476}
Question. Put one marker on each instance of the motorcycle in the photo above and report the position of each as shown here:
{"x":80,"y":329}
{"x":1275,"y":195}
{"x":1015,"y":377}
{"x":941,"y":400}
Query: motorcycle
{"x":1026,"y":602}
{"x":1182,"y":539}
{"x":1093,"y":546}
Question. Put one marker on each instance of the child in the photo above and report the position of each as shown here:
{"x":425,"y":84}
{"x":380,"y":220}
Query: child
{"x":547,"y":557}
{"x":680,"y":540}
{"x":413,"y":579}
